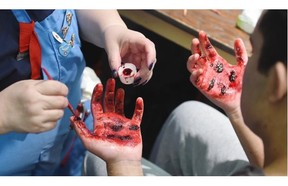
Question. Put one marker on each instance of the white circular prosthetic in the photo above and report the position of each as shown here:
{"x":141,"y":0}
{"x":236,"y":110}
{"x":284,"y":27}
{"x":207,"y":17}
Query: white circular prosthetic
{"x":126,"y":73}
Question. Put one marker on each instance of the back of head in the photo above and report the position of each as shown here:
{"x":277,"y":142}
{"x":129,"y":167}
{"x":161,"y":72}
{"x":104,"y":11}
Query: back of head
{"x":273,"y":26}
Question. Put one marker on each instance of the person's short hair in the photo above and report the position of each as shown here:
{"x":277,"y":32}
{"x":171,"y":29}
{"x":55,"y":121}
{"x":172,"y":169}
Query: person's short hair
{"x":273,"y":27}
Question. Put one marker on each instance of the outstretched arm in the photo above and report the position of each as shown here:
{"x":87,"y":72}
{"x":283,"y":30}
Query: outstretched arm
{"x":221,"y":83}
{"x":115,"y":138}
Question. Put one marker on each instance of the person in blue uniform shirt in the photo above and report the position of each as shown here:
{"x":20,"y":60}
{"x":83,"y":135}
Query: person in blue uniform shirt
{"x":35,"y":134}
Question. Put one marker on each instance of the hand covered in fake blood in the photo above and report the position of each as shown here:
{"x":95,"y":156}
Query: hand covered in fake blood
{"x":115,"y":137}
{"x":218,"y":80}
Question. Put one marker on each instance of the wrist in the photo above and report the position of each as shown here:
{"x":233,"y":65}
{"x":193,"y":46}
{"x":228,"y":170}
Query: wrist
{"x":112,"y":29}
{"x":235,"y":115}
{"x":124,"y":168}
{"x":114,"y":26}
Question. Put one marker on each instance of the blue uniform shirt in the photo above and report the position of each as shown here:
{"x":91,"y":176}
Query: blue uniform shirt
{"x":41,"y":154}
{"x":12,"y":70}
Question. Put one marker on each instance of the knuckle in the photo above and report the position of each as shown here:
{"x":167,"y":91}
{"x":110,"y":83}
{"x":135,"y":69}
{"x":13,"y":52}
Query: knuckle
{"x":61,"y":89}
{"x":50,"y":126}
{"x":60,"y":114}
{"x":63,"y":102}
{"x":57,"y":87}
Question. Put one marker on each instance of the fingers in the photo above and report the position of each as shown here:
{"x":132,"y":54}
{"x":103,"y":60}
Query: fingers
{"x":114,"y":60}
{"x":109,"y":96}
{"x":141,"y":52}
{"x":194,"y":66}
{"x":138,"y":112}
{"x":145,"y":64}
{"x":150,"y":54}
{"x":149,"y":77}
{"x":119,"y":102}
{"x":51,"y":87}
{"x":49,"y":125}
{"x":55,"y":102}
{"x":96,"y":100}
{"x":240,"y":52}
{"x":148,"y":63}
{"x":206,"y":46}
{"x":195,"y":47}
{"x":82,"y":131}
{"x":196,"y":78}
{"x":192,"y":62}
{"x":143,"y":75}
{"x":52,"y":115}
{"x":79,"y":111}
{"x":46,"y":121}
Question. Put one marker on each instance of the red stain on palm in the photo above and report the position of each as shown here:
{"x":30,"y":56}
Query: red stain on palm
{"x":110,"y":123}
{"x":219,"y":79}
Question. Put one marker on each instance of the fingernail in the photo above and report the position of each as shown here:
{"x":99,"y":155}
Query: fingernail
{"x":114,"y":73}
{"x":137,"y":81}
{"x":151,"y":66}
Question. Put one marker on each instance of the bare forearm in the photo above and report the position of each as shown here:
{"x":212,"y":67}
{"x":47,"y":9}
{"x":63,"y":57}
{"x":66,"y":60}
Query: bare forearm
{"x":251,"y":143}
{"x":3,"y":128}
{"x":93,"y":23}
{"x":125,"y":168}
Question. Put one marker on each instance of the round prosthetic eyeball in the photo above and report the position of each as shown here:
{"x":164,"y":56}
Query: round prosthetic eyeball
{"x":126,"y":73}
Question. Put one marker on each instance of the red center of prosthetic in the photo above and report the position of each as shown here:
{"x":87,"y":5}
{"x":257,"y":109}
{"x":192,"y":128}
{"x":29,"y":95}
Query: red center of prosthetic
{"x":127,"y":72}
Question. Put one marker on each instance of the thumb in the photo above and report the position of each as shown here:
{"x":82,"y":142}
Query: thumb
{"x":114,"y":58}
{"x":81,"y":129}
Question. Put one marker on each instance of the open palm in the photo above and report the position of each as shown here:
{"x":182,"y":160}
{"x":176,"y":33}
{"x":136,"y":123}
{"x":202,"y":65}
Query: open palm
{"x":115,"y":137}
{"x":218,"y":80}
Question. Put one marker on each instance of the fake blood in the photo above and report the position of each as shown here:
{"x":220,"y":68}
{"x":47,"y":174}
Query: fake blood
{"x":110,"y":123}
{"x":127,"y":71}
{"x":219,"y":78}
{"x":115,"y":129}
{"x":118,"y":129}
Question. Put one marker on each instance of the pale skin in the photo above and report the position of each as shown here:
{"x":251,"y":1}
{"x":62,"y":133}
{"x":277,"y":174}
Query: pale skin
{"x":262,"y":130}
{"x":32,"y":106}
{"x":251,"y":143}
{"x":120,"y":43}
{"x":103,"y":28}
{"x":267,"y":116}
{"x":275,"y":111}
